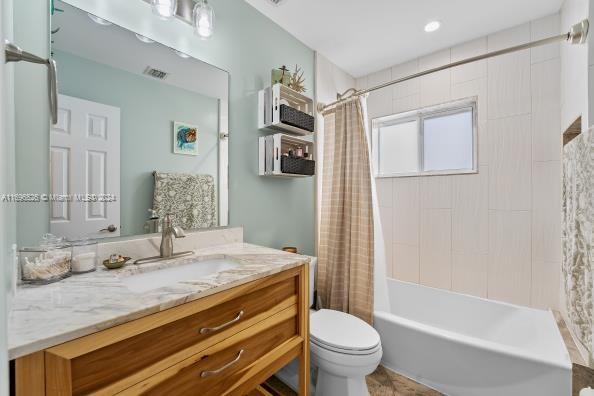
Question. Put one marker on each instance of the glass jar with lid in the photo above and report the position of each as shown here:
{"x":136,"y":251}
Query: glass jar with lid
{"x":49,"y":262}
{"x":84,"y":256}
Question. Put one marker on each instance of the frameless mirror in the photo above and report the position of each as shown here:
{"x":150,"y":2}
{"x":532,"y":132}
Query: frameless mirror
{"x":142,"y":131}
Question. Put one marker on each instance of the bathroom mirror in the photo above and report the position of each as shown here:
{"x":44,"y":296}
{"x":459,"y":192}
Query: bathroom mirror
{"x":142,"y":131}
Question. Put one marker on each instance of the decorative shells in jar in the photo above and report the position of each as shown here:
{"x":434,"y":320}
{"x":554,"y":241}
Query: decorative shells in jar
{"x":47,"y":263}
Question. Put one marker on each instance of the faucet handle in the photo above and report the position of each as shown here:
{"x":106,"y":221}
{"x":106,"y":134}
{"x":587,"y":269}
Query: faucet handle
{"x":167,"y":220}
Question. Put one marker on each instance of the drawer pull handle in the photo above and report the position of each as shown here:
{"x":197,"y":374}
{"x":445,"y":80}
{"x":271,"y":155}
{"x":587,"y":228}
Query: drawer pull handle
{"x":206,"y":330}
{"x":205,"y":374}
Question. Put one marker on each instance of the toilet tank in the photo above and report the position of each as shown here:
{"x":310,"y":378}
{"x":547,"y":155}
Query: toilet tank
{"x":312,"y":276}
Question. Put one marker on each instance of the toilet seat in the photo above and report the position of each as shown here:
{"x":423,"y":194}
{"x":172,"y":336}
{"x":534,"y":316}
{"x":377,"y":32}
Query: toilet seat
{"x":343,"y":333}
{"x":346,"y":351}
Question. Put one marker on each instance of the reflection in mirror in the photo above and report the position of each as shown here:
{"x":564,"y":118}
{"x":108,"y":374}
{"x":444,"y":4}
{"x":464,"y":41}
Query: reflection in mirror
{"x":141,"y":128}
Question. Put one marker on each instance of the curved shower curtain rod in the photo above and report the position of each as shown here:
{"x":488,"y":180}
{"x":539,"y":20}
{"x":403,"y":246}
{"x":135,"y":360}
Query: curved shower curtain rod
{"x":576,"y":35}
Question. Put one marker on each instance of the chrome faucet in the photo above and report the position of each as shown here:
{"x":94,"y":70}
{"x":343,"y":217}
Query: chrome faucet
{"x":169,"y":230}
{"x":166,"y":249}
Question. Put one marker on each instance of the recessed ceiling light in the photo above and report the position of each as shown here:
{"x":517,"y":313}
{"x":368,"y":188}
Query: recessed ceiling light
{"x":144,"y":39}
{"x":432,"y":26}
{"x":100,"y":21}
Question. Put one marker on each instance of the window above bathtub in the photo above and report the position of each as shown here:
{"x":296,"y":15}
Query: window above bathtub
{"x":436,"y":140}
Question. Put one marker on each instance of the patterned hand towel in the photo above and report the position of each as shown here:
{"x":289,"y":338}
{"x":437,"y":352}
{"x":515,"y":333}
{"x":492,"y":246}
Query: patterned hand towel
{"x":190,"y":198}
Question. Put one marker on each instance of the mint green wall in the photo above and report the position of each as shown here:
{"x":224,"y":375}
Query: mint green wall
{"x":7,"y":211}
{"x":274,"y":212}
{"x":20,"y":86}
{"x":31,"y":25}
{"x":147,"y":111}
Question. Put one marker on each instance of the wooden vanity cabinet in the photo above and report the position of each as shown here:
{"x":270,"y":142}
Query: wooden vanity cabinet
{"x":226,"y":343}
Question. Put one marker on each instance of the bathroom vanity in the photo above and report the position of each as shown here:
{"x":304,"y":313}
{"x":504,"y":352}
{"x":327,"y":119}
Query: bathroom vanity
{"x":219,"y":333}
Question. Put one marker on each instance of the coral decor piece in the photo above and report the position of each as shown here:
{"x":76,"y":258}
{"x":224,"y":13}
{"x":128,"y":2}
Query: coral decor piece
{"x":297,"y":81}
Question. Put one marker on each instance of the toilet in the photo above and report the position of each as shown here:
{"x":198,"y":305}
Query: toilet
{"x":344,"y":349}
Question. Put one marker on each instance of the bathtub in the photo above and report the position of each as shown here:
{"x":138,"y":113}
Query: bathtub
{"x":462,"y":345}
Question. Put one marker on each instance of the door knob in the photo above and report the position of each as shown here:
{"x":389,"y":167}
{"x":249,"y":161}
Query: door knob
{"x":110,"y":228}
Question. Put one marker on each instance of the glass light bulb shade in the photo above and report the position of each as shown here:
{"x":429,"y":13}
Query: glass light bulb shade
{"x":164,"y":9}
{"x":100,"y":21}
{"x":204,"y":20}
{"x":144,"y":39}
{"x":181,"y":54}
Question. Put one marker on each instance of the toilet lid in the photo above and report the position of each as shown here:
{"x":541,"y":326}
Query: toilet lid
{"x":342,"y":331}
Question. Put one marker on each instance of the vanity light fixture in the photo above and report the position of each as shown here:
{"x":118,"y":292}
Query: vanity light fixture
{"x":432,"y":26}
{"x":98,"y":20}
{"x":165,"y":9}
{"x":181,"y":54}
{"x":203,"y":19}
{"x":144,"y":39}
{"x":197,"y":13}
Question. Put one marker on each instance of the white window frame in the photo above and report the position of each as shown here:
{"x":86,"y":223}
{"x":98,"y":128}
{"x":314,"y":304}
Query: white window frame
{"x":453,"y":107}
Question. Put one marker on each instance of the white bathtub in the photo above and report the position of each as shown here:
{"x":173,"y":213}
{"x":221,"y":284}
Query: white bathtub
{"x":462,"y":345}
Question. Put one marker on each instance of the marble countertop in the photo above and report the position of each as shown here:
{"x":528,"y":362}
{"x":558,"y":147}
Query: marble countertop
{"x":44,"y":316}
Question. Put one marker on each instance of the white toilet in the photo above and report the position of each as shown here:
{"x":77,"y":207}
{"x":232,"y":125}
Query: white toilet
{"x":344,"y":349}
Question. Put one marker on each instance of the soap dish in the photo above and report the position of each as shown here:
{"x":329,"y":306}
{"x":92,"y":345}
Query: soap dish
{"x":117,"y":264}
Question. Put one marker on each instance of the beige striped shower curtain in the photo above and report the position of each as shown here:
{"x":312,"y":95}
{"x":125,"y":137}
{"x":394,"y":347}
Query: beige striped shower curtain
{"x":345,"y":250}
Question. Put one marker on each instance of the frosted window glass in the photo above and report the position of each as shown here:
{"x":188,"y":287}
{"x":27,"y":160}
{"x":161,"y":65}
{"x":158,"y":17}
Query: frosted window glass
{"x":448,"y":142}
{"x":398,"y":150}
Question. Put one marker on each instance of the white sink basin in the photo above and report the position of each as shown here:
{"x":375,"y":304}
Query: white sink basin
{"x":169,"y":276}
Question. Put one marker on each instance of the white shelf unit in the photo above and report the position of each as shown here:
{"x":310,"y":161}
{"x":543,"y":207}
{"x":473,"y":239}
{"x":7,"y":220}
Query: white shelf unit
{"x":269,"y":101}
{"x":272,"y":147}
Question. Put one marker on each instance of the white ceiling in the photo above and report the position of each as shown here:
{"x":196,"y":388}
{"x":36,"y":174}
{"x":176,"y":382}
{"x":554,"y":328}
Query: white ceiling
{"x":369,"y":35}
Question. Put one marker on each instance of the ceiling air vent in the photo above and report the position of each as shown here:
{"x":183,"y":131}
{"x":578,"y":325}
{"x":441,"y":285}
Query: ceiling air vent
{"x":155,"y":73}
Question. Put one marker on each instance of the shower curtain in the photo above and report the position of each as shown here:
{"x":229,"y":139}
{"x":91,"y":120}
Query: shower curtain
{"x":346,"y":242}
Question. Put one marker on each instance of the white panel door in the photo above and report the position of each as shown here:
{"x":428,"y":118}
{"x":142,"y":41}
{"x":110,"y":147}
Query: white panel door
{"x":85,"y":168}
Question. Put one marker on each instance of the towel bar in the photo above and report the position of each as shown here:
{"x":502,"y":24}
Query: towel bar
{"x":14,"y":53}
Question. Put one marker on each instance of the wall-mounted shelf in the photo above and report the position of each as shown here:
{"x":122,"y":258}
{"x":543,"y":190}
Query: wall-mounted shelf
{"x":298,"y":107}
{"x":271,"y":151}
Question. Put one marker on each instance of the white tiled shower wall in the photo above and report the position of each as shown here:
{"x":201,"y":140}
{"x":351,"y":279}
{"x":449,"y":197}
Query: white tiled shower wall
{"x":494,"y":234}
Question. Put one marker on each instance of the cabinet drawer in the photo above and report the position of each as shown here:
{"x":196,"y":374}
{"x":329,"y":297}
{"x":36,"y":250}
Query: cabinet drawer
{"x":224,"y":365}
{"x":98,"y":369}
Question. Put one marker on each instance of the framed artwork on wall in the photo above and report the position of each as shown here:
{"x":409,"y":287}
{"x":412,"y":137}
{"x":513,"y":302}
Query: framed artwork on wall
{"x":185,"y":138}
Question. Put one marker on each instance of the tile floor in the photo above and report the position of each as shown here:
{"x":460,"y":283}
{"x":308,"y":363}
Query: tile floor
{"x":382,"y":382}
